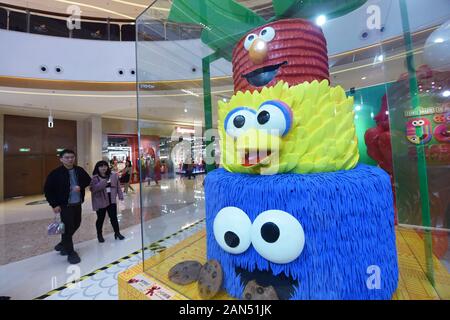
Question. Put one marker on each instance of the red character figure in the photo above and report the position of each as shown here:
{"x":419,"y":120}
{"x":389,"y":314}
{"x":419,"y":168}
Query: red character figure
{"x":442,"y":131}
{"x":152,"y":290}
{"x":293,"y":50}
{"x":378,"y":139}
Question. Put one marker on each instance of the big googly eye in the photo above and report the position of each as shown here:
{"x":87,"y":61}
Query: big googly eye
{"x":277,"y":236}
{"x":414,"y":123}
{"x":274,"y":116}
{"x":249,"y":40}
{"x":267,"y":34}
{"x":232,"y":230}
{"x":420,"y":122}
{"x":239,"y":120}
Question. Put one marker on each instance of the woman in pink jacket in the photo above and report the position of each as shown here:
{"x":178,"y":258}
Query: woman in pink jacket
{"x":105,"y":187}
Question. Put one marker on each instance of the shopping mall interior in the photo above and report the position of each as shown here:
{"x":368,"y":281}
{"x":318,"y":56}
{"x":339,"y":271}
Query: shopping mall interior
{"x":147,"y":85}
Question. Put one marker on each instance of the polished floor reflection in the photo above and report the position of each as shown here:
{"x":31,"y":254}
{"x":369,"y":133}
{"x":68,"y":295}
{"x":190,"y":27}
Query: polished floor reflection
{"x":26,"y":249}
{"x":23,"y":227}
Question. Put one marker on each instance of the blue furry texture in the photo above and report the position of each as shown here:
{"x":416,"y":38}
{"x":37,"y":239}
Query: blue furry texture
{"x":347,"y":217}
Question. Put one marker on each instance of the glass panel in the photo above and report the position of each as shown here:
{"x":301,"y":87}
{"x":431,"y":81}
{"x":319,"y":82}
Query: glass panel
{"x":3,"y":18}
{"x":91,"y":30}
{"x":391,"y":63}
{"x":418,"y":112}
{"x":48,"y":26}
{"x":17,"y":21}
{"x":114,"y":30}
{"x":170,"y":113}
{"x":128,"y":32}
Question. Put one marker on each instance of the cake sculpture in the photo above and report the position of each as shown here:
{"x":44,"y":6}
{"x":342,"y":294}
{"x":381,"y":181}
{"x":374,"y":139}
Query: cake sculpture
{"x":291,"y":214}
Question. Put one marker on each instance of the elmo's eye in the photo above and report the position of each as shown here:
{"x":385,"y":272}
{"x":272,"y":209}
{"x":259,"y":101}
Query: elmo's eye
{"x":239,"y":120}
{"x":249,"y":40}
{"x":420,"y":123}
{"x":277,"y":236}
{"x":267,"y":34}
{"x":414,"y":123}
{"x":232,"y":230}
{"x":274,"y":116}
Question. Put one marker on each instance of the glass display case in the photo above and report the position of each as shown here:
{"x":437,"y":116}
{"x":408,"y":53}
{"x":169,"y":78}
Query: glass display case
{"x":393,"y":60}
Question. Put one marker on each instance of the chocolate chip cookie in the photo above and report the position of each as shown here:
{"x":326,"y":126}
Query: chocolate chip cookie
{"x":253,"y":291}
{"x":210,"y":279}
{"x":185,"y":272}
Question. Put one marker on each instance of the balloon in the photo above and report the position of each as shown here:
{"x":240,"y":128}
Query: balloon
{"x":437,"y":48}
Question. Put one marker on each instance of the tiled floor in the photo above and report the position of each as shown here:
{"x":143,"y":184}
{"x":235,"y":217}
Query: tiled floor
{"x":103,"y":284}
{"x":23,"y":227}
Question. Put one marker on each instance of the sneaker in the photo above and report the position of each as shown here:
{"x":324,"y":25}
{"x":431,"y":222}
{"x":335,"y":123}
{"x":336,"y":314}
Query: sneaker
{"x":59,"y":247}
{"x":73,"y":258}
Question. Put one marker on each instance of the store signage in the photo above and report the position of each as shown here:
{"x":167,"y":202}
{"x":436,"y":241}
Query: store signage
{"x":185,"y":130}
{"x":146,"y":86}
{"x":425,"y":111}
{"x":152,"y":289}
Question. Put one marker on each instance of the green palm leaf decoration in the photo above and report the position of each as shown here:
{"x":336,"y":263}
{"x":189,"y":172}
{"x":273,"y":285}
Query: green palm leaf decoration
{"x":226,"y":21}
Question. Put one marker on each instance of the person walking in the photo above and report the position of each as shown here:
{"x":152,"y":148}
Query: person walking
{"x":126,"y":176}
{"x":157,"y":171}
{"x":64,"y":190}
{"x":105,"y":188}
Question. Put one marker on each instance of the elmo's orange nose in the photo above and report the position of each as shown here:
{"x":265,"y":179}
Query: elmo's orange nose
{"x":258,"y":51}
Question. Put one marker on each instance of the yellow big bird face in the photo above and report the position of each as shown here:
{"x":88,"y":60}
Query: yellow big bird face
{"x":301,"y":129}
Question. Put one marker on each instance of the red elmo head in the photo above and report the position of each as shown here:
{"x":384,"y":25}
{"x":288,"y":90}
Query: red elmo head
{"x":292,"y":50}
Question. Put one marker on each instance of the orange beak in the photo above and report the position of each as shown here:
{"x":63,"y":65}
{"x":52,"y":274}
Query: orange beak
{"x":258,"y":51}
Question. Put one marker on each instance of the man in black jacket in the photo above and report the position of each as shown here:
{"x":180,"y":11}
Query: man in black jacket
{"x":64,"y":191}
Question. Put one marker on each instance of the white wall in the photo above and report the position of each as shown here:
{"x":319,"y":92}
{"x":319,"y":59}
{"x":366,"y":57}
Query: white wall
{"x":91,"y":60}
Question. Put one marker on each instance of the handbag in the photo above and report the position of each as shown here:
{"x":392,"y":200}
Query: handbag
{"x":56,"y":227}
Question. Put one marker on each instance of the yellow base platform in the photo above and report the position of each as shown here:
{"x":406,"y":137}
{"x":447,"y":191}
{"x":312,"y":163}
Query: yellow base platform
{"x":134,"y":284}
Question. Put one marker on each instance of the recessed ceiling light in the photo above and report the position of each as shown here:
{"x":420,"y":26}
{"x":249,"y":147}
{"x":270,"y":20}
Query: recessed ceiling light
{"x":438,"y":40}
{"x":358,"y":108}
{"x":446,"y":93}
{"x":363,"y":78}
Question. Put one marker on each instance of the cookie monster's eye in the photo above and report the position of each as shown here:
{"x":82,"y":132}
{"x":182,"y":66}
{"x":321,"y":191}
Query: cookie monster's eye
{"x":277,"y":236}
{"x":239,"y":120}
{"x":267,"y":34}
{"x":275,"y":116}
{"x":232,"y":230}
{"x":249,"y":40}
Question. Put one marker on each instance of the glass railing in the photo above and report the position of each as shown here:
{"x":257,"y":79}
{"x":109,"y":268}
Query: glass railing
{"x":49,"y":24}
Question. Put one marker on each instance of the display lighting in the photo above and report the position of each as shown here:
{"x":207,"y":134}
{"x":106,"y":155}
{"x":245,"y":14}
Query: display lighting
{"x":321,"y":20}
{"x":185,"y":130}
{"x":190,"y":92}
